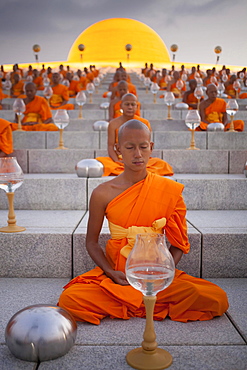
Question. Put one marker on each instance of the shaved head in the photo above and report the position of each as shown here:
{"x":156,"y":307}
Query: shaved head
{"x":132,"y":124}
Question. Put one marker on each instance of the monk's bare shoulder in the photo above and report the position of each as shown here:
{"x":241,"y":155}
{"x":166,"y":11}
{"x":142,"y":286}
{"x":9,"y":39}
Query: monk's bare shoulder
{"x":107,"y":191}
{"x":115,"y":123}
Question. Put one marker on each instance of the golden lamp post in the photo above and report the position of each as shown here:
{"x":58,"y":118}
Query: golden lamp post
{"x":128,"y":48}
{"x":217,"y":51}
{"x":81,"y":48}
{"x":36,"y":49}
{"x":173,"y":49}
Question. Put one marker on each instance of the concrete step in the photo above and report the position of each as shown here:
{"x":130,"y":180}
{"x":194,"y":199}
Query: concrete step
{"x":53,"y":244}
{"x":216,"y":344}
{"x":41,"y":191}
{"x":182,"y":161}
{"x":98,"y":140}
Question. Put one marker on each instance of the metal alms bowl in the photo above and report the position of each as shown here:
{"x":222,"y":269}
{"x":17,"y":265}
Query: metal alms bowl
{"x":40,"y":333}
{"x":100,"y":126}
{"x":215,"y":126}
{"x":89,"y":168}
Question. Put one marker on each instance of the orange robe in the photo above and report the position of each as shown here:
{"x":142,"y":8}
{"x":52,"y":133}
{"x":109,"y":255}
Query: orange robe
{"x":60,"y":93}
{"x":214,"y":113}
{"x":118,"y":112}
{"x":154,"y":165}
{"x":74,"y":88}
{"x":232,"y":92}
{"x":162,"y":83}
{"x":175,"y":90}
{"x":38,"y":111}
{"x":93,"y":296}
{"x":18,"y":89}
{"x":6,"y":139}
{"x":38,"y":81}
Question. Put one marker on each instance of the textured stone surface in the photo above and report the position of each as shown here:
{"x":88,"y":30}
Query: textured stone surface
{"x":44,"y":249}
{"x":178,"y":140}
{"x":214,"y":192}
{"x":238,"y":159}
{"x":29,"y":139}
{"x":57,"y":161}
{"x":197,"y":161}
{"x":227,"y":140}
{"x":224,"y":242}
{"x":74,"y":139}
{"x":54,"y":192}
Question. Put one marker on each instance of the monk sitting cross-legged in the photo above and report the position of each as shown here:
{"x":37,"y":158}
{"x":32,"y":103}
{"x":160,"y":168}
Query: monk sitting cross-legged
{"x":135,"y":202}
{"x":37,"y":116}
{"x":6,"y":139}
{"x":113,"y":165}
{"x":60,"y":97}
{"x":115,"y":104}
{"x":213,"y":109}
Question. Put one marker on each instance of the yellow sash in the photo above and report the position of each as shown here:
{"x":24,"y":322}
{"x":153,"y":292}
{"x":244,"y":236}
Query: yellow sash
{"x":32,"y":117}
{"x":56,"y":99}
{"x":214,"y":117}
{"x":119,"y":232}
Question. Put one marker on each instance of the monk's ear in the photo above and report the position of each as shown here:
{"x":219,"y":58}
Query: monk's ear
{"x":117,"y":149}
{"x":151,"y":145}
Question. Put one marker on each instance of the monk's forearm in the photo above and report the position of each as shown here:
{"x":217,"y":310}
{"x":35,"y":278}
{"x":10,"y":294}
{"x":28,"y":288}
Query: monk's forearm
{"x":98,"y":256}
{"x":176,"y":254}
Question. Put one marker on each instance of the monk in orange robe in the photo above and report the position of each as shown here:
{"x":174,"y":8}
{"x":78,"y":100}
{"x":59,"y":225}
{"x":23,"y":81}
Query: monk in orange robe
{"x":162,"y":82}
{"x":60,"y":97}
{"x":74,"y":85}
{"x":37,"y":116}
{"x":134,"y":202}
{"x":189,"y":97}
{"x":6,"y":139}
{"x":17,"y":89}
{"x":82,"y":80}
{"x":213,"y":109}
{"x":113,"y":165}
{"x":173,"y":85}
{"x":38,"y":80}
{"x":131,"y":87}
{"x":115,"y":109}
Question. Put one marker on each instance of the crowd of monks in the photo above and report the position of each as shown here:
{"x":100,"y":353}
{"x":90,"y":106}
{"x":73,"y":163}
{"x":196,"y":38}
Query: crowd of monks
{"x":66,"y":83}
{"x":139,"y":198}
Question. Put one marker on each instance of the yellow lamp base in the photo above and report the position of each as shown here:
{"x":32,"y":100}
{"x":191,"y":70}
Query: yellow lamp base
{"x":140,"y":359}
{"x":12,"y":229}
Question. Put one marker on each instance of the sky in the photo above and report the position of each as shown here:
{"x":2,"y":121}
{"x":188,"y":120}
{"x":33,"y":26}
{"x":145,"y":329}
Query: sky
{"x":196,"y":26}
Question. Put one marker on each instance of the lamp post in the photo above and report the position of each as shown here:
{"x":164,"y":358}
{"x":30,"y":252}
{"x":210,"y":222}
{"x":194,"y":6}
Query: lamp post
{"x":128,"y":48}
{"x":217,"y":51}
{"x":81,"y":48}
{"x":173,"y":48}
{"x":36,"y":49}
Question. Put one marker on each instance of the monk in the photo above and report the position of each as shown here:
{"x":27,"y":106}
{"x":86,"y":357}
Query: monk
{"x":213,"y":109}
{"x":37,"y":116}
{"x":82,"y":80}
{"x":113,"y":165}
{"x":131,"y":87}
{"x":173,"y":85}
{"x":38,"y":80}
{"x":189,"y":97}
{"x":162,"y":82}
{"x":17,"y":89}
{"x":115,"y":104}
{"x":134,"y":202}
{"x":60,"y":97}
{"x":74,"y":85}
{"x":6,"y":139}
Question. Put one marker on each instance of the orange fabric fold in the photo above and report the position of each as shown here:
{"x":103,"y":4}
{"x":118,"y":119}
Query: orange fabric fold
{"x":6,"y":139}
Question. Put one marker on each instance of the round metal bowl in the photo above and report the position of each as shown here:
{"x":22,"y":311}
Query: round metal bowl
{"x":89,"y":168}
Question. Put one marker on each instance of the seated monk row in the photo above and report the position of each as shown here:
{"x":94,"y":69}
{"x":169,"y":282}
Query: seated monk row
{"x":38,"y":115}
{"x":113,"y":165}
{"x":213,"y":109}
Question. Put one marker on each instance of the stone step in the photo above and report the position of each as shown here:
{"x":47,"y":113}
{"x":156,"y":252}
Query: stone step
{"x":53,"y":244}
{"x":182,"y":161}
{"x":98,"y":140}
{"x":42,"y":191}
{"x":195,"y":345}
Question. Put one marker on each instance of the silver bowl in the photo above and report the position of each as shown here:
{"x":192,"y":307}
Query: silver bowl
{"x":100,"y":126}
{"x":89,"y":168}
{"x":182,"y":106}
{"x":40,"y":333}
{"x":215,"y":126}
